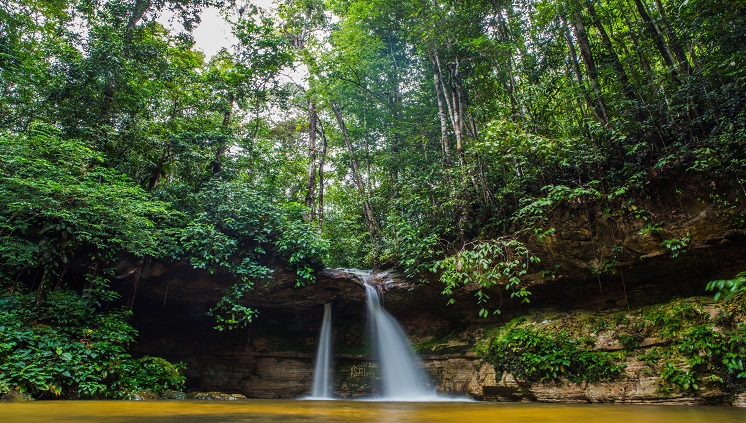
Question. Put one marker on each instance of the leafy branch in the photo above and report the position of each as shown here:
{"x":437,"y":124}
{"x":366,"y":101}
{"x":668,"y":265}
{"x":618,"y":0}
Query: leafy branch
{"x":486,"y":264}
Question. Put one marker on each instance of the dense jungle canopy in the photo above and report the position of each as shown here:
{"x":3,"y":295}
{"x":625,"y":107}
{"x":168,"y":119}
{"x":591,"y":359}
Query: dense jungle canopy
{"x":427,"y":135}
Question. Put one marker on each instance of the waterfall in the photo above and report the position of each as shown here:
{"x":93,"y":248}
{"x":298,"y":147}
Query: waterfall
{"x":401,"y":372}
{"x":322,"y":371}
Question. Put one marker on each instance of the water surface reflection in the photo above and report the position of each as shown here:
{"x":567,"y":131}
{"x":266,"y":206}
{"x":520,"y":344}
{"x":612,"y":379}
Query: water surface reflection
{"x":269,"y":411}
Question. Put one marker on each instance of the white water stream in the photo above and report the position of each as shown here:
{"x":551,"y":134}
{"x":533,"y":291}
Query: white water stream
{"x":322,"y":373}
{"x":402,"y":375}
{"x":401,"y":371}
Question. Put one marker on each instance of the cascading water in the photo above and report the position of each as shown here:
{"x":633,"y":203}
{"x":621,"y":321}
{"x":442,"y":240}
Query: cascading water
{"x":402,"y":375}
{"x":322,"y":372}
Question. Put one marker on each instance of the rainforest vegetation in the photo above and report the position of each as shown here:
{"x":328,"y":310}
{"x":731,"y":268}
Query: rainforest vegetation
{"x":426,"y":135}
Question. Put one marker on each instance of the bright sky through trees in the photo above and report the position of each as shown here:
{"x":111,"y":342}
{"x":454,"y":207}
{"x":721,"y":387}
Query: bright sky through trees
{"x":213,"y":32}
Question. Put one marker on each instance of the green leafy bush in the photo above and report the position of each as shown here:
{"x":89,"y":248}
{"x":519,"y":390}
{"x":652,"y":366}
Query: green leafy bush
{"x":530,"y":355}
{"x":66,"y":346}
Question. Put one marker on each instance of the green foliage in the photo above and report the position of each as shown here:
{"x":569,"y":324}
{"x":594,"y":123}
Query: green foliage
{"x":531,"y":355}
{"x":487,"y":264}
{"x":410,"y":245}
{"x":468,"y":121}
{"x":534,"y":213}
{"x":67,"y":346}
{"x":726,"y":289}
{"x":677,"y":245}
{"x":235,"y":228}
{"x":707,"y":352}
{"x":693,"y":350}
{"x":686,"y":380}
{"x":60,"y":204}
{"x":58,"y":201}
{"x":229,"y":313}
{"x":702,"y":350}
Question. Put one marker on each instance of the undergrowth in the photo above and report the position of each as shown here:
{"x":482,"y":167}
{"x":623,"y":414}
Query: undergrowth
{"x":690,"y":344}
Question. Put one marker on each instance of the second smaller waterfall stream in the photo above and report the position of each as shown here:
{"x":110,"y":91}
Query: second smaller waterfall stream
{"x":322,"y":373}
{"x":401,"y":372}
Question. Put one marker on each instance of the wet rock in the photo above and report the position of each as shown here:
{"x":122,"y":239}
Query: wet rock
{"x":740,"y":400}
{"x":144,"y":395}
{"x":171,"y":394}
{"x":453,"y":375}
{"x":214,"y":395}
{"x":16,"y":396}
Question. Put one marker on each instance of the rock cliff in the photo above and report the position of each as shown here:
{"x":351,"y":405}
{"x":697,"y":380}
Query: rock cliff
{"x":274,"y":357}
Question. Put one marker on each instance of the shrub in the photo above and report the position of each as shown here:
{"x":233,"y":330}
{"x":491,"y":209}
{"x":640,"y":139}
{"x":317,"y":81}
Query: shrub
{"x":67,"y":346}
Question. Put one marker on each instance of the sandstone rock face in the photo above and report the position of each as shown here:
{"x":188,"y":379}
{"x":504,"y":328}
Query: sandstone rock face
{"x":634,"y":388}
{"x":274,"y":357}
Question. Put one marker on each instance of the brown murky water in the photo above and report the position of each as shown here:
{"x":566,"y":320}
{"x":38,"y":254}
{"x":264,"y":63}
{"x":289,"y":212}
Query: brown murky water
{"x":354,"y":411}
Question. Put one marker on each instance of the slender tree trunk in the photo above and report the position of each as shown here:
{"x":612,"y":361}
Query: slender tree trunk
{"x":576,"y":64}
{"x":441,"y":112}
{"x":681,"y":59}
{"x":627,"y":87}
{"x":222,"y":147}
{"x":311,"y":194}
{"x":572,"y":51}
{"x":370,"y":220}
{"x":451,"y":105}
{"x":322,"y":162}
{"x":510,"y":86}
{"x":657,"y":36}
{"x":644,"y":62}
{"x":590,"y":65}
{"x":464,"y":106}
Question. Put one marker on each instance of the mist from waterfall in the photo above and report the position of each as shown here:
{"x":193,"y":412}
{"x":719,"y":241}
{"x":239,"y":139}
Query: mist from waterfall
{"x":402,"y":376}
{"x":322,"y":373}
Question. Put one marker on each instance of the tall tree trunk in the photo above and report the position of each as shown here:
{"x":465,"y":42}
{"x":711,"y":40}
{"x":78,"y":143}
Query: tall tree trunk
{"x":441,"y":112}
{"x":572,"y":51}
{"x":678,"y":51}
{"x":504,"y":37}
{"x":590,"y":65}
{"x":451,"y":105}
{"x":627,"y":87}
{"x":311,"y":194}
{"x":370,"y":220}
{"x":644,"y":62}
{"x":657,"y":36}
{"x":222,"y":147}
{"x":576,"y":64}
{"x":322,"y":162}
{"x":464,"y":106}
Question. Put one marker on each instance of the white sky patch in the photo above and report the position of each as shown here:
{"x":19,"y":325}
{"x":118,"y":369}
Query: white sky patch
{"x":213,"y":33}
